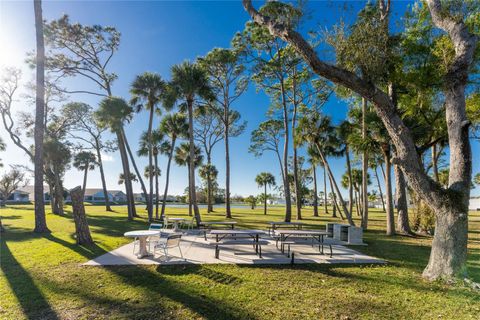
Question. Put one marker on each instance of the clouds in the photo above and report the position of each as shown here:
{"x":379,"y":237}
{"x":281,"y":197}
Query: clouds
{"x":107,"y":158}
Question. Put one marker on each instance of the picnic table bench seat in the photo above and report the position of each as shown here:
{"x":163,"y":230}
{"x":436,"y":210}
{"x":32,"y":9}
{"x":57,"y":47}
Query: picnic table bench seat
{"x":244,"y":241}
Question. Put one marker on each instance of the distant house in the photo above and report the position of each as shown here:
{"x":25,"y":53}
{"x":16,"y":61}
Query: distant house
{"x":170,"y":198}
{"x":140,"y":197}
{"x":118,"y":196}
{"x":96,"y":195}
{"x":474,"y":204}
{"x":31,"y":195}
{"x":18,"y":196}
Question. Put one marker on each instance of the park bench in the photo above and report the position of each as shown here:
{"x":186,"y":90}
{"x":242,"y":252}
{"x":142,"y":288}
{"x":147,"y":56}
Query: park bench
{"x":257,"y":245}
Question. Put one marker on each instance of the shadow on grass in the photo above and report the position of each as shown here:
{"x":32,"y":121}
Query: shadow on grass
{"x":88,"y":252}
{"x":158,"y":284}
{"x":201,"y":270}
{"x":31,"y":299}
{"x":156,"y":287}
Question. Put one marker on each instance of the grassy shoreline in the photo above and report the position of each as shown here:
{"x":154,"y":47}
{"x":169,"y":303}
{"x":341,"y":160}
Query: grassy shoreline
{"x":41,"y":276}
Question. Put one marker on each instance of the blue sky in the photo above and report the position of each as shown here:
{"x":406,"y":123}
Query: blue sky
{"x":155,"y":36}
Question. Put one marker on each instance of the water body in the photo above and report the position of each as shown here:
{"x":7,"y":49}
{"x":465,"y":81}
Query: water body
{"x":201,"y":206}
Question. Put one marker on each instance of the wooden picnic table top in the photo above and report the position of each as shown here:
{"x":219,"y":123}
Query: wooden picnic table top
{"x":294,"y":223}
{"x":301,"y":232}
{"x":218,"y":222}
{"x":238,"y":231}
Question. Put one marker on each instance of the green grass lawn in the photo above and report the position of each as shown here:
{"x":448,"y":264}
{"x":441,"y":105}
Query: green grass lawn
{"x":41,"y":277}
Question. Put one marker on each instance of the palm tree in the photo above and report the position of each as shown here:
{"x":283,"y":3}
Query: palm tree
{"x":265,"y":179}
{"x":189,"y":82}
{"x":156,"y":140}
{"x":40,"y":221}
{"x":174,"y":126}
{"x":344,"y":130}
{"x":317,"y":130}
{"x":476,"y":179}
{"x":147,"y":90}
{"x":132,"y":177}
{"x":182,"y":158}
{"x":209,"y":174}
{"x":155,"y":172}
{"x":314,"y":159}
{"x":112,"y":113}
{"x":85,"y":161}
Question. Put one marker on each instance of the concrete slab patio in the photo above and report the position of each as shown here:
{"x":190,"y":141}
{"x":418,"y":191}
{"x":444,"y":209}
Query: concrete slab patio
{"x":197,"y":251}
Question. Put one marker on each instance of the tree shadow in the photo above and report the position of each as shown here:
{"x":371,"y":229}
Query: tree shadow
{"x":201,"y":270}
{"x":88,"y":252}
{"x":156,"y":283}
{"x":31,"y":299}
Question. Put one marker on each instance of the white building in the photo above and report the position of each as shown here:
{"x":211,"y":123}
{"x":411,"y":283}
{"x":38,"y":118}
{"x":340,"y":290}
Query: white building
{"x":96,"y":195}
{"x":474,"y":204}
{"x":18,"y":196}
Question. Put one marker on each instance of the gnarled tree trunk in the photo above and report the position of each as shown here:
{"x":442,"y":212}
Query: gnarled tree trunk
{"x":82,"y":230}
{"x":403,"y":225}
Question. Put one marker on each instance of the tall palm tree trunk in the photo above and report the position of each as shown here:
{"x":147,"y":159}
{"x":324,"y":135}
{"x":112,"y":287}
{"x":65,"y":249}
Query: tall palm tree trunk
{"x":337,"y":190}
{"x":265,"y":199}
{"x":85,"y":179}
{"x":315,"y":191}
{"x":388,"y":185}
{"x":209,"y":186}
{"x":40,"y":221}
{"x":325,"y":193}
{"x":58,"y":194}
{"x":380,"y":189}
{"x":191,"y":169}
{"x":298,"y":198}
{"x":357,"y":204}
{"x":167,"y":179}
{"x":126,"y":173}
{"x":156,"y":186}
{"x":139,"y":175}
{"x":364,"y":168}
{"x":350,"y":180}
{"x":286,"y":185}
{"x":102,"y":176}
{"x":150,"y":166}
{"x":228,"y":212}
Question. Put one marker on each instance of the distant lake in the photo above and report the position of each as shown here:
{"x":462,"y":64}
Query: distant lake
{"x":201,"y":206}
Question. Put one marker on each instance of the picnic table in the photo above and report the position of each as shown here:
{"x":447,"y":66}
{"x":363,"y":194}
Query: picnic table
{"x":315,"y":235}
{"x":277,"y":224}
{"x":207,"y":225}
{"x":253,"y":234}
{"x":142,"y":236}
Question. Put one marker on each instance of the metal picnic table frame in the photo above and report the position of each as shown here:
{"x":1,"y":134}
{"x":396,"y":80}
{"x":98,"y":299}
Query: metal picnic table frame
{"x":222,"y":234}
{"x":316,"y":235}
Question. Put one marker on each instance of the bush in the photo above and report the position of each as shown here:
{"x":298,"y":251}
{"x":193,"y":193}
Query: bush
{"x":424,"y":219}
